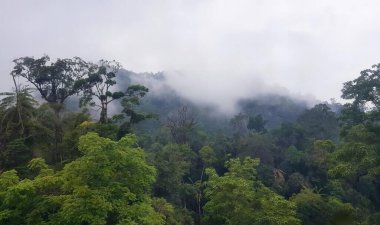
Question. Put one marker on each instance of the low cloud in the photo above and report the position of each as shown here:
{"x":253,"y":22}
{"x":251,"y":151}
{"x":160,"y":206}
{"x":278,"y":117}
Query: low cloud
{"x":211,"y":51}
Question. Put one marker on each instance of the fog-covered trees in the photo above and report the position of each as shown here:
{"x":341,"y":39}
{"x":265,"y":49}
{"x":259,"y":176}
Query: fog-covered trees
{"x":58,"y":80}
{"x":181,"y":124}
{"x":55,"y":81}
{"x":97,"y":86}
{"x":275,"y":162}
{"x":319,"y":122}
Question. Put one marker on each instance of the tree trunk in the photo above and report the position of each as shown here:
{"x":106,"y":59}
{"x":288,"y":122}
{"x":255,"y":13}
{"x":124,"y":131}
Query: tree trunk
{"x":103,"y":114}
{"x":58,"y":153}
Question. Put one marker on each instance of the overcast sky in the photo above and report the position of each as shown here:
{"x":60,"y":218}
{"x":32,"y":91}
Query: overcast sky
{"x":213,"y":50}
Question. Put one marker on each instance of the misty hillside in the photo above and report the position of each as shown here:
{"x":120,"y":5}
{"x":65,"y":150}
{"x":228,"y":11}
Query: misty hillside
{"x":164,"y":100}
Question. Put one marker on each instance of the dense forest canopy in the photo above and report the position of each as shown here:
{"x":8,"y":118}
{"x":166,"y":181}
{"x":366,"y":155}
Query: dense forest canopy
{"x":93,"y":143}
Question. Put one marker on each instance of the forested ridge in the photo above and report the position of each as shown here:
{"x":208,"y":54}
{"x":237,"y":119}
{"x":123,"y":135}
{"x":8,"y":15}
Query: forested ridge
{"x":92,"y":143}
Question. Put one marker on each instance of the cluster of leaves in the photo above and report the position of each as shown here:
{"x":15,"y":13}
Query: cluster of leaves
{"x":110,"y":183}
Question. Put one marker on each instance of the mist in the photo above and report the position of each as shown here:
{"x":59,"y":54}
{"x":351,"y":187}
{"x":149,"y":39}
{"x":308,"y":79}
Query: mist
{"x":212,"y":52}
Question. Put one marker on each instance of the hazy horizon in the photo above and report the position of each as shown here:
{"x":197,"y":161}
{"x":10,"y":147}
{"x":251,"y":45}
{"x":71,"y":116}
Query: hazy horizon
{"x":212,"y":51}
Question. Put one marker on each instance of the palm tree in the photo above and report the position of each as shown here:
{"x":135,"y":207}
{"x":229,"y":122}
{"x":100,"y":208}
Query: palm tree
{"x":16,"y":113}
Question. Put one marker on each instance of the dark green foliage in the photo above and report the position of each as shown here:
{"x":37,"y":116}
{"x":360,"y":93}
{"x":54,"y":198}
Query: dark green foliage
{"x":17,"y":153}
{"x":239,"y":125}
{"x":364,"y":89}
{"x":257,"y":124}
{"x":275,"y":109}
{"x":318,"y":161}
{"x":319,"y":123}
{"x":129,"y":102}
{"x":313,"y":208}
{"x":181,"y":124}
{"x":290,"y":134}
{"x":259,"y":146}
{"x":17,"y":127}
{"x":55,"y":81}
{"x":97,"y":87}
{"x":173,"y":163}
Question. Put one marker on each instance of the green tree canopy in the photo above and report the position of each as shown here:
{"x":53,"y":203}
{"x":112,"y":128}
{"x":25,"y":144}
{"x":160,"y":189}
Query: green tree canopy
{"x":238,"y":197}
{"x":55,"y":81}
{"x":109,"y":184}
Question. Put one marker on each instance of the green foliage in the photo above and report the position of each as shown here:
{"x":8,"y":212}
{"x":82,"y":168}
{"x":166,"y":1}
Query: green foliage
{"x":207,"y":155}
{"x":365,"y":88}
{"x":357,"y":156}
{"x":295,"y":183}
{"x":319,"y":160}
{"x":171,"y":215}
{"x":354,"y":160}
{"x":17,"y":110}
{"x":258,"y":146}
{"x":238,"y":197}
{"x":294,"y":157}
{"x":181,"y":124}
{"x":110,"y":183}
{"x":319,"y":123}
{"x":97,"y":87}
{"x":199,"y":170}
{"x":173,"y":163}
{"x":257,"y":124}
{"x":374,"y":219}
{"x":8,"y":178}
{"x":55,"y":81}
{"x":290,"y":134}
{"x":133,"y":97}
{"x":129,"y":102}
{"x":17,"y":153}
{"x":313,"y":208}
{"x":355,"y":167}
{"x":239,"y":125}
{"x":274,"y":108}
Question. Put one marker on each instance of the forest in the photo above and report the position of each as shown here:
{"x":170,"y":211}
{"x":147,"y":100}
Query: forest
{"x":93,"y":143}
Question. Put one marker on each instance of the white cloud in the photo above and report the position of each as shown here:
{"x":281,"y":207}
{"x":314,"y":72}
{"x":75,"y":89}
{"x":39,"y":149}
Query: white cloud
{"x":222,"y":49}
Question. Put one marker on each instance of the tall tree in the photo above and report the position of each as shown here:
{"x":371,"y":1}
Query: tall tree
{"x":181,"y":124}
{"x":365,"y":93}
{"x":132,"y":98}
{"x":364,"y":89}
{"x":99,"y":84}
{"x":55,"y":81}
{"x":17,"y":110}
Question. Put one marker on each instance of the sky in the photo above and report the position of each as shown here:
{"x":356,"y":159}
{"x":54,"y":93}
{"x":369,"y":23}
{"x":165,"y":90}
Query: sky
{"x":212,"y":50}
